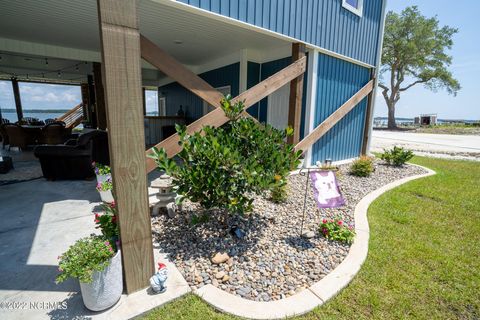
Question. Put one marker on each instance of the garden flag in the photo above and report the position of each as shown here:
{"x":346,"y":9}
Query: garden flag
{"x":326,"y":190}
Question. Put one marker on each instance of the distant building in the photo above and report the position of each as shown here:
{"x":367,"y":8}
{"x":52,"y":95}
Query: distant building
{"x":426,"y":119}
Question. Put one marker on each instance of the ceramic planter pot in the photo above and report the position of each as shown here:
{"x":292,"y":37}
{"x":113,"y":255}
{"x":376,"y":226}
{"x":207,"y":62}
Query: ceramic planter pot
{"x":106,"y":288}
{"x":103,"y":177}
{"x":106,"y":196}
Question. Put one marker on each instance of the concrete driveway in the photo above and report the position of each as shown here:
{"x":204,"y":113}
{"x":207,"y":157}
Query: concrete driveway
{"x":437,"y":145}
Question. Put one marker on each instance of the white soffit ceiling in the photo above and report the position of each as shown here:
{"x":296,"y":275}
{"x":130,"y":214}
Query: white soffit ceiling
{"x":73,"y":24}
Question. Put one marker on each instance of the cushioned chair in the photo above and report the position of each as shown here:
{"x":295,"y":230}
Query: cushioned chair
{"x":17,"y":136}
{"x":4,"y":136}
{"x":73,"y":159}
{"x":54,"y":133}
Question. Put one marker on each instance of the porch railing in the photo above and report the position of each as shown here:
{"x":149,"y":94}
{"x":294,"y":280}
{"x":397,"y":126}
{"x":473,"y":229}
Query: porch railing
{"x":73,"y":117}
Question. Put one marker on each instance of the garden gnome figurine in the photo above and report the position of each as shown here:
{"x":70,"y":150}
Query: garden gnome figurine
{"x":157,"y":281}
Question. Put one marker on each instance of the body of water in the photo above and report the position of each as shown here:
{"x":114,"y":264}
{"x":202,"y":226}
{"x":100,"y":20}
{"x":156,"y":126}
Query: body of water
{"x":12,"y":116}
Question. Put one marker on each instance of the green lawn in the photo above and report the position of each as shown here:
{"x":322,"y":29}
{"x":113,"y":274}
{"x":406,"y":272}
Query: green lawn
{"x":424,"y":257}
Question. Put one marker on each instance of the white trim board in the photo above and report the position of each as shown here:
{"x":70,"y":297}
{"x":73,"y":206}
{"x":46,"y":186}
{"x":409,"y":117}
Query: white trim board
{"x":311,"y":102}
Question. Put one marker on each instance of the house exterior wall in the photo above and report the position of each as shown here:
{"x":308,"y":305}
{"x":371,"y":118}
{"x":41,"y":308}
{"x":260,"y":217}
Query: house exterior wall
{"x":176,"y":95}
{"x":337,"y":81}
{"x":323,"y":23}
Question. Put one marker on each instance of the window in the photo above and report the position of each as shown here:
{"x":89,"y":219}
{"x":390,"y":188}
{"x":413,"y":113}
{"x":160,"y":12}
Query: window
{"x":355,"y":6}
{"x":162,"y":106}
{"x":152,"y":103}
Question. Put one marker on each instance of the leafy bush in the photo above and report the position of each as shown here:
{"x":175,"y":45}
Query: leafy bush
{"x":362,"y":167}
{"x":278,"y":193}
{"x":396,"y":156}
{"x":224,"y":167}
{"x":337,"y":231}
{"x":108,"y":223}
{"x":86,"y":256}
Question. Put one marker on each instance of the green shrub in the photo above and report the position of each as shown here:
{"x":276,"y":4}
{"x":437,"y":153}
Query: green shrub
{"x":362,"y":167}
{"x":396,"y":156}
{"x":278,"y":193}
{"x":86,"y":256}
{"x":336,"y":230}
{"x":224,"y":167}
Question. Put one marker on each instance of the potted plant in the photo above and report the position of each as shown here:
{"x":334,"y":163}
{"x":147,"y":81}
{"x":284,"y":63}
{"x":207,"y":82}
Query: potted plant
{"x":105,"y":190}
{"x":98,"y":267}
{"x":107,"y":223}
{"x":102,"y":172}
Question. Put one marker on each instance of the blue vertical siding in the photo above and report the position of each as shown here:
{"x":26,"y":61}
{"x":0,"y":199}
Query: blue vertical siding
{"x":177,"y":96}
{"x":338,"y":80}
{"x":324,"y":23}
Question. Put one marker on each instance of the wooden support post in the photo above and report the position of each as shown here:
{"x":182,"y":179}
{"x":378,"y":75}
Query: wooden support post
{"x":120,"y":41}
{"x":296,"y":92}
{"x":91,"y":102}
{"x":144,"y":100}
{"x":368,"y":118}
{"x":99,"y":96}
{"x":84,"y":91}
{"x":18,"y":100}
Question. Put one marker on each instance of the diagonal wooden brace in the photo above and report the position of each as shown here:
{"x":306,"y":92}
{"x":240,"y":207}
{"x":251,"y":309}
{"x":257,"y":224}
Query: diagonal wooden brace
{"x":335,"y":117}
{"x":217,"y":117}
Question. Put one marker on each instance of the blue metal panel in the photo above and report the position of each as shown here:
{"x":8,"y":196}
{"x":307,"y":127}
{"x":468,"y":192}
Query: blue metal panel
{"x":337,"y":81}
{"x":324,"y":23}
{"x":177,"y":96}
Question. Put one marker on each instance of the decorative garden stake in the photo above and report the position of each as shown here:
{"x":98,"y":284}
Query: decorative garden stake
{"x":157,"y":281}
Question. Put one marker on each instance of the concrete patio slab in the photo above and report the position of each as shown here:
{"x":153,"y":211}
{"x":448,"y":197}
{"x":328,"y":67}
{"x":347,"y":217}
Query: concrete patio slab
{"x":40,"y":220}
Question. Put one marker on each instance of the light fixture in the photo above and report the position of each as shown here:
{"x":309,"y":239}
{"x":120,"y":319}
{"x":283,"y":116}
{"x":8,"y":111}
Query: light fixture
{"x":177,"y":41}
{"x":59,"y":74}
{"x":46,"y":61}
{"x":76,"y":67}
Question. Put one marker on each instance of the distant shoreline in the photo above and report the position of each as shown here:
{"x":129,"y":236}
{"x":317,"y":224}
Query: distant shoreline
{"x":36,"y":110}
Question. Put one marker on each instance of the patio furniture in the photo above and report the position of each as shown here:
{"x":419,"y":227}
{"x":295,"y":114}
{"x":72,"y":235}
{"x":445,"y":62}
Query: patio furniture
{"x":18,"y":136}
{"x":4,"y":135}
{"x":54,"y":133}
{"x":73,"y":159}
{"x":50,"y":120}
{"x":6,"y":164}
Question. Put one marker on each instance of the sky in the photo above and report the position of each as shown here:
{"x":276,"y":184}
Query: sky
{"x":461,"y":14}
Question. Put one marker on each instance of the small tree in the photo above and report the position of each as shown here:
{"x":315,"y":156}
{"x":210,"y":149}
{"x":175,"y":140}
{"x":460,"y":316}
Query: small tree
{"x":414,"y":49}
{"x":224,"y":167}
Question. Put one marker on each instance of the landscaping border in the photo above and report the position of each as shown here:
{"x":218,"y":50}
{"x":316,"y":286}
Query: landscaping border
{"x":319,"y":292}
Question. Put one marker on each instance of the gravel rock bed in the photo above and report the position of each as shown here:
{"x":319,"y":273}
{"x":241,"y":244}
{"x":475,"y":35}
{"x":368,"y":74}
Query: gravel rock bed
{"x":272,"y":261}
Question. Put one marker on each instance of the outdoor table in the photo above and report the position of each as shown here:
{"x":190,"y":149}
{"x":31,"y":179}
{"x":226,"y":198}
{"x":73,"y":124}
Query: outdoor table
{"x":33,"y":131}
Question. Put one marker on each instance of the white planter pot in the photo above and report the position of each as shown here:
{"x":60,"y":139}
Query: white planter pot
{"x":106,"y":288}
{"x":103,"y":177}
{"x":106,"y":196}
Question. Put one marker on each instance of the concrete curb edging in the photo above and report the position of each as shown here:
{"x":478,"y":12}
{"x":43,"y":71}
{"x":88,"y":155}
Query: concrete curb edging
{"x":320,"y":291}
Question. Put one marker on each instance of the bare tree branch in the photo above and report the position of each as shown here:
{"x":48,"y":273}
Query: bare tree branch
{"x":412,"y":84}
